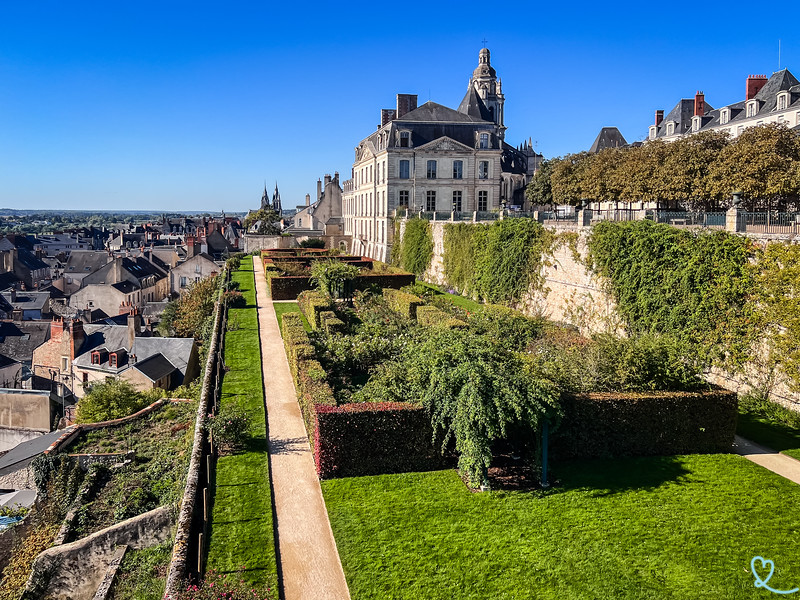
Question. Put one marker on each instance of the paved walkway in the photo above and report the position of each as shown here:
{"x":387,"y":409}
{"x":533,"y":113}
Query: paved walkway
{"x":309,"y":562}
{"x":783,"y":465}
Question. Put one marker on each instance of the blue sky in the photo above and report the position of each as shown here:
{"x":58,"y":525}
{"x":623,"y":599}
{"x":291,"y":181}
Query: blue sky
{"x":193,"y":105}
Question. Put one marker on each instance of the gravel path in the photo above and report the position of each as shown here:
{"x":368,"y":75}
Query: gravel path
{"x":309,"y":562}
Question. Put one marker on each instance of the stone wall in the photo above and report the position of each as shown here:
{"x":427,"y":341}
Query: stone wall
{"x":267,"y":242}
{"x":74,"y":571}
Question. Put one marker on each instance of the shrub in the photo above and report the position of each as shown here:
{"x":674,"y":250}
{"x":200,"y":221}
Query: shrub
{"x":234,"y":299}
{"x":229,"y":426}
{"x":505,"y":326}
{"x":113,"y":399}
{"x":641,"y":424}
{"x":402,"y":303}
{"x":333,"y":278}
{"x":331,"y":323}
{"x":312,"y":304}
{"x":433,"y":317}
{"x":312,"y":243}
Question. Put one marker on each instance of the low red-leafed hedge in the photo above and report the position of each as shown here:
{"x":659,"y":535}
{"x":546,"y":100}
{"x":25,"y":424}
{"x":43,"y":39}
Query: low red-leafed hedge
{"x":373,"y":438}
{"x":645,"y":423}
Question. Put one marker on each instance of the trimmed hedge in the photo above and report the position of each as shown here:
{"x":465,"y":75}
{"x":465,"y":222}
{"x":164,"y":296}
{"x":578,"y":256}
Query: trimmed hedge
{"x":643,"y":424}
{"x":384,"y":280}
{"x":308,"y":374}
{"x":312,"y":304}
{"x":402,"y":303}
{"x":433,"y":317}
{"x":330,"y":322}
{"x":288,"y":287}
{"x":374,"y":438}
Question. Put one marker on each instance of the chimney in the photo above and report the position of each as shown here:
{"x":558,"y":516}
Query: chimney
{"x":327,"y":180}
{"x":76,"y":337}
{"x":308,"y":199}
{"x":134,"y":327}
{"x":16,"y":315}
{"x":56,"y":328}
{"x":336,"y":177}
{"x":699,"y":104}
{"x":387,"y":115}
{"x":754,"y":85}
{"x":13,"y":294}
{"x":405,"y":104}
{"x":319,"y":189}
{"x":659,"y":117}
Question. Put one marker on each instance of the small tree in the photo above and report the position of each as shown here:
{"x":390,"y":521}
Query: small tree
{"x":313,"y":243}
{"x":113,"y":399}
{"x":331,"y":276}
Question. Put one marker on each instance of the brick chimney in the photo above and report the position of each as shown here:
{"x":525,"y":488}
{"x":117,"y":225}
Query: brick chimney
{"x":56,"y":328}
{"x":75,"y":338}
{"x":192,"y":247}
{"x":387,"y":115}
{"x":754,"y":85}
{"x":405,"y":104}
{"x":699,"y":104}
{"x":134,"y":327}
{"x":659,"y":117}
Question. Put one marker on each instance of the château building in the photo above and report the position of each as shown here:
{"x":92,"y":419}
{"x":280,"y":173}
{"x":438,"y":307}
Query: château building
{"x":767,"y":100}
{"x":433,"y":158}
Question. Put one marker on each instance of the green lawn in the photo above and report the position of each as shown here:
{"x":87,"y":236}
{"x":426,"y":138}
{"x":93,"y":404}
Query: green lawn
{"x":770,"y":425}
{"x":241,"y":531}
{"x":646,"y":528}
{"x":281,"y":308}
{"x":460,"y":301}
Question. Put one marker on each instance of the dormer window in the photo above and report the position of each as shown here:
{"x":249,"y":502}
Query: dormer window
{"x":724,"y":116}
{"x":783,"y":100}
{"x":752,"y":108}
{"x":112,"y":360}
{"x":671,"y":128}
{"x":483,"y":141}
{"x":405,"y":139}
{"x":653,"y":132}
{"x":696,"y":123}
{"x":95,"y":358}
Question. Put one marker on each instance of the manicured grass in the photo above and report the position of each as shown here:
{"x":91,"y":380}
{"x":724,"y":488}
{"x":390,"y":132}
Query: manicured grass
{"x":143,"y":574}
{"x":770,"y":425}
{"x":460,"y":301}
{"x":654,"y":528}
{"x":242,"y":531}
{"x":281,"y":308}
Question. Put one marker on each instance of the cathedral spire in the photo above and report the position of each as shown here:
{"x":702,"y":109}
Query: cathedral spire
{"x":265,"y":198}
{"x":276,"y":199}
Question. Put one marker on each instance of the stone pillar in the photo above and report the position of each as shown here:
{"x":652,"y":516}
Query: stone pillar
{"x":584,"y":217}
{"x":733,"y":221}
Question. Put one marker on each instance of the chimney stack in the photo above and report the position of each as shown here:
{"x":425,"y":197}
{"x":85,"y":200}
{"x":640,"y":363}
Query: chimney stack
{"x":699,"y":104}
{"x":754,"y":85}
{"x":405,"y":104}
{"x":387,"y":115}
{"x":659,"y":117}
{"x":319,"y":189}
{"x":134,"y":327}
{"x":308,"y":199}
{"x":327,"y":180}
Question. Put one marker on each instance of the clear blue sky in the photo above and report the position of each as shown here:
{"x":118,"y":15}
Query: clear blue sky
{"x":192,"y":105}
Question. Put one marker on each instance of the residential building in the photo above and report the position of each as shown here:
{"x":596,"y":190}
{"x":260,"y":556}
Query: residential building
{"x":767,"y":100}
{"x":27,"y":305}
{"x":324,"y":216}
{"x":191,"y":271}
{"x":436,"y":159}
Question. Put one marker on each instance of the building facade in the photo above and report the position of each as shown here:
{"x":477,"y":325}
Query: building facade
{"x":767,"y":100}
{"x":435,"y":159}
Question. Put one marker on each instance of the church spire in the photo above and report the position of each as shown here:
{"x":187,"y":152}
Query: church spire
{"x":265,"y":198}
{"x":276,"y":199}
{"x":485,"y":82}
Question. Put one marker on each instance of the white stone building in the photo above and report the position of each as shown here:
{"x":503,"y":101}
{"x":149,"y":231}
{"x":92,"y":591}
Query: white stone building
{"x":773,"y":100}
{"x":435,"y":159}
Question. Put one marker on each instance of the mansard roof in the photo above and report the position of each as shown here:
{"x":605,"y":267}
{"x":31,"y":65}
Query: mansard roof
{"x":609,"y":137}
{"x":431,"y":112}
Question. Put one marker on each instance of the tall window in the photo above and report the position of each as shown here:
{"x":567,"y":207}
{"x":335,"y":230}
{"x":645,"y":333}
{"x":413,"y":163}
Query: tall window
{"x":405,"y":139}
{"x":724,"y":116}
{"x":458,"y":169}
{"x":483,"y":141}
{"x":403,"y":169}
{"x":430,"y":201}
{"x":483,"y":201}
{"x":483,"y":169}
{"x":431,"y":169}
{"x":751,"y":109}
{"x":670,"y":128}
{"x":402,"y":198}
{"x":457,"y":201}
{"x":782,"y":102}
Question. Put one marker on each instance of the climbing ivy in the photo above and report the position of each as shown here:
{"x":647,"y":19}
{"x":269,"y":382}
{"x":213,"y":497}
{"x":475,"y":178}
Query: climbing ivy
{"x":416,"y":249}
{"x":696,"y":285}
{"x":496,"y":263}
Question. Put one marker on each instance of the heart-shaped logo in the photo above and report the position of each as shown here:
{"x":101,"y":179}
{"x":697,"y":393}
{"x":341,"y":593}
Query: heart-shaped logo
{"x":765,"y":564}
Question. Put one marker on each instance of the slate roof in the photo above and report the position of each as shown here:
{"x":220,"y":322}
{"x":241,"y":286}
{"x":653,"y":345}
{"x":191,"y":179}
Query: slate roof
{"x":8,"y":280}
{"x":21,"y":455}
{"x":609,"y":137}
{"x":18,"y":340}
{"x":126,"y":287}
{"x":85,"y":261}
{"x":30,"y":261}
{"x":28,"y":300}
{"x":155,"y":367}
{"x":473,"y":105}
{"x":431,"y":112}
{"x":6,"y":361}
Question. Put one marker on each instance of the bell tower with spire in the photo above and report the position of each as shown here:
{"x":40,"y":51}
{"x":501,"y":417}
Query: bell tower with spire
{"x":489,"y":87}
{"x":276,"y":199}
{"x":265,"y":198}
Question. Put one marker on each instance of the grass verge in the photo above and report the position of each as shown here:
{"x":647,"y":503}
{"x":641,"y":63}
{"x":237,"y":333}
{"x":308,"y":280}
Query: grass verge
{"x":241,"y":538}
{"x":281,"y":308}
{"x":644,"y":528}
{"x":143,"y":573}
{"x":459,"y":301}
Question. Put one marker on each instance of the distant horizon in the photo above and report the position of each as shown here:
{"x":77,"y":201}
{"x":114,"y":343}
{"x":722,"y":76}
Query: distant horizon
{"x":163,"y":107}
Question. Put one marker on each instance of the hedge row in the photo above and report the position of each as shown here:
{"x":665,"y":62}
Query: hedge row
{"x":312,"y":304}
{"x":432,"y":316}
{"x":288,"y":287}
{"x":309,"y":376}
{"x":642,"y":424}
{"x":374,"y":438}
{"x":402,"y":303}
{"x":330,"y":322}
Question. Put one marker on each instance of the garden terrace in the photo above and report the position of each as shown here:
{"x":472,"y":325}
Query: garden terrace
{"x":362,"y":387}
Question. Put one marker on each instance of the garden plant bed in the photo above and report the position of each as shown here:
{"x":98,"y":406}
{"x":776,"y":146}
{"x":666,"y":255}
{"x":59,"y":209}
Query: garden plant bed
{"x":656,"y":527}
{"x":241,"y":538}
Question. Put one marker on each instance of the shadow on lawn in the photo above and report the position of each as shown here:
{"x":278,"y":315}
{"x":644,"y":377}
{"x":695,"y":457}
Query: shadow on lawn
{"x":615,"y":475}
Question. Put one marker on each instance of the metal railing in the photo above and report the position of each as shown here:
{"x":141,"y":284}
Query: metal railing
{"x":711,"y":220}
{"x":770,"y":222}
